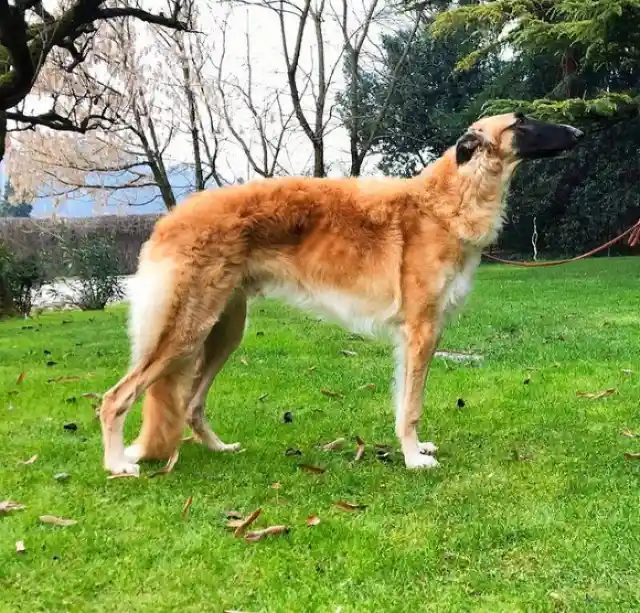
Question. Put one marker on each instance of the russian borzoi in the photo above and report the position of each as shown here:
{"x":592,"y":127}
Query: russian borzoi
{"x":385,"y":253}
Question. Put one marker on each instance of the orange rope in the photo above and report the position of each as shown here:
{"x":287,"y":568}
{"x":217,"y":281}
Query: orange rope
{"x":634,"y":238}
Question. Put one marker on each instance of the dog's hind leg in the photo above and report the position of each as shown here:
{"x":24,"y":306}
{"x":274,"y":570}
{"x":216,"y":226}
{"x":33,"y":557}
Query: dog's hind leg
{"x":164,"y":413}
{"x":165,"y":344}
{"x":115,"y":406}
{"x":222,"y":341}
{"x":415,"y":350}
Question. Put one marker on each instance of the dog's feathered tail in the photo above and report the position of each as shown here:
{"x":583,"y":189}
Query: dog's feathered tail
{"x":164,"y":407}
{"x":150,"y":296}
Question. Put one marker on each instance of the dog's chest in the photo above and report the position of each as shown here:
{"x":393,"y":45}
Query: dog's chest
{"x":461,"y":283}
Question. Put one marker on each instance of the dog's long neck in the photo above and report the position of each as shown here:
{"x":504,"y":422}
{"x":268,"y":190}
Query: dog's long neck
{"x":474,"y":205}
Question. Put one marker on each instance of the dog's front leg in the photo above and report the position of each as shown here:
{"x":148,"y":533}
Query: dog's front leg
{"x":414,"y":352}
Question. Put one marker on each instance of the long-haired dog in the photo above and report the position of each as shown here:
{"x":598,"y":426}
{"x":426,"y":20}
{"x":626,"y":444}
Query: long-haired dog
{"x":397,"y":254}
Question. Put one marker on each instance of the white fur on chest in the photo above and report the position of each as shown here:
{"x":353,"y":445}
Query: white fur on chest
{"x":461,"y":284}
{"x":355,"y":312}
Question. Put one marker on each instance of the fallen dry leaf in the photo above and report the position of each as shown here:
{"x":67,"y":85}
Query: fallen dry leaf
{"x":316,"y":470}
{"x":275,"y":486}
{"x":311,"y":370}
{"x":313,"y":520}
{"x":94,"y":395}
{"x":349,"y":506}
{"x":244,"y":361}
{"x":628,"y":433}
{"x":233,"y":524}
{"x":348,"y":353}
{"x":596,"y":395}
{"x":291,"y":451}
{"x":627,"y":371}
{"x":263,"y":397}
{"x":62,"y":476}
{"x":331,"y":394}
{"x":63,"y":379}
{"x":31,"y":460}
{"x":20,"y":548}
{"x":360,"y":450}
{"x":123,"y":476}
{"x":168,"y":467}
{"x":239,"y":531}
{"x":21,"y":377}
{"x":258,"y":535}
{"x":6,"y":506}
{"x":368,"y":386}
{"x":333,"y":445}
{"x":57,"y":521}
{"x":187,"y":505}
{"x":632,"y":456}
{"x":233,"y":514}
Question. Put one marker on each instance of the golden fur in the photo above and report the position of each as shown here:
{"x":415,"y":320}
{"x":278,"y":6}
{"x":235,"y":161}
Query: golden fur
{"x":373,"y":253}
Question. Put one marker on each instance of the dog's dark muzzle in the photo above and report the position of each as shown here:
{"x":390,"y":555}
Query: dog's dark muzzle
{"x":538,"y":139}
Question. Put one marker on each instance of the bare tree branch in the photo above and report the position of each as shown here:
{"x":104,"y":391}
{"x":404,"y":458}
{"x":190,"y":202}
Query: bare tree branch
{"x":28,"y":45}
{"x":358,"y":156}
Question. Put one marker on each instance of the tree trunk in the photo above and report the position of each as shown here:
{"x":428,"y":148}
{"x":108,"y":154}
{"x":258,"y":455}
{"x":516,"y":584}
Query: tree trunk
{"x":6,"y":298}
{"x":6,"y":302}
{"x":354,"y":101}
{"x":318,"y":158}
{"x":3,"y":133}
{"x":193,"y":123}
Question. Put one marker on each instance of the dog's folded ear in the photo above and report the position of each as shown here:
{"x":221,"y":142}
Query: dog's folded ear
{"x":466,"y":146}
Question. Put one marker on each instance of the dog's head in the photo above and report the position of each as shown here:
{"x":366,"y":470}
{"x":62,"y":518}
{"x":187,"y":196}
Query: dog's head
{"x":514,"y":137}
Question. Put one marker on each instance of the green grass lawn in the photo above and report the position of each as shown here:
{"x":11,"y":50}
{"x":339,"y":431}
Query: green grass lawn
{"x":534,"y":507}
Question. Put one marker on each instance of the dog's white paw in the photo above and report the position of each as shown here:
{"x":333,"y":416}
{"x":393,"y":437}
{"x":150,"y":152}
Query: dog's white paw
{"x":428,"y":448}
{"x":133,"y":453}
{"x":220,"y":447}
{"x":229,"y":447}
{"x":421,"y":462}
{"x":123,"y":467}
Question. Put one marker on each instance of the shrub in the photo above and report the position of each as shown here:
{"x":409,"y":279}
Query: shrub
{"x":20,"y":281}
{"x":94,"y":265}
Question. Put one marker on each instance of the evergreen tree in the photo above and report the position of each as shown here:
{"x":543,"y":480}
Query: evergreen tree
{"x":595,"y":45}
{"x":7,"y":209}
